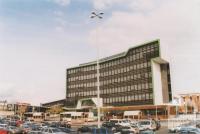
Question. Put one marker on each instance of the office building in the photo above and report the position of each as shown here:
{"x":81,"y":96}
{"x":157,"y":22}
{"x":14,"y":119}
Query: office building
{"x":139,"y":76}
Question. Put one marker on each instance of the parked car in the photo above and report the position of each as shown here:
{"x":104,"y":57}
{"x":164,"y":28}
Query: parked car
{"x":101,"y":130}
{"x":130,"y":129}
{"x":13,"y":123}
{"x":3,"y":131}
{"x":189,"y":130}
{"x":26,"y":128}
{"x":65,"y":124}
{"x":86,"y":128}
{"x":51,"y":130}
{"x":125,"y":122}
{"x":147,"y":132}
{"x":116,"y":121}
{"x":67,"y":130}
{"x":3,"y":126}
{"x":174,"y":129}
{"x":109,"y":125}
{"x":147,"y":124}
{"x":14,"y":130}
{"x":34,"y":132}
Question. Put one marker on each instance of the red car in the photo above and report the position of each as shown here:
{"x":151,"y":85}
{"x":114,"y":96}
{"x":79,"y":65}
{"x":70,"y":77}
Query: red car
{"x":18,"y":123}
{"x":2,"y":131}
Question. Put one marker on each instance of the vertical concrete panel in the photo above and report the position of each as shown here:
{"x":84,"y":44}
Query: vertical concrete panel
{"x":157,"y":83}
{"x":164,"y":79}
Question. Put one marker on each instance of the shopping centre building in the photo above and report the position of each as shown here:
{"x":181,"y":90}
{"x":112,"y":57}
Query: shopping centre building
{"x":136,"y":77}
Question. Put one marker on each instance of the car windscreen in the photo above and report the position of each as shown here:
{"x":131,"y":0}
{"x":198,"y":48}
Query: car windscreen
{"x":54,"y":130}
{"x":144,"y":123}
{"x":114,"y":121}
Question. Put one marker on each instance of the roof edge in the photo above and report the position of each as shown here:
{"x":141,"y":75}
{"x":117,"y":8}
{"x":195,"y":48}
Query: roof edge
{"x":115,"y":56}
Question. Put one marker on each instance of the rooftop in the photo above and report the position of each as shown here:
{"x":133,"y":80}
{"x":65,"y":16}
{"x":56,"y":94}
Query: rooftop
{"x":119,"y":55}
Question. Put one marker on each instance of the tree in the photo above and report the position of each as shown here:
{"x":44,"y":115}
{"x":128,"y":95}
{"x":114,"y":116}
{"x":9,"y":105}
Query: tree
{"x":55,"y":109}
{"x":21,"y":110}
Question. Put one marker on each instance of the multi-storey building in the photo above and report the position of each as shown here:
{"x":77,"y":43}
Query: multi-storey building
{"x":138,"y":76}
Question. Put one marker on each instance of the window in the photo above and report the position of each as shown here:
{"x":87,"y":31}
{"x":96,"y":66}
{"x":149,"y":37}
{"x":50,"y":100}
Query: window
{"x":151,"y":96}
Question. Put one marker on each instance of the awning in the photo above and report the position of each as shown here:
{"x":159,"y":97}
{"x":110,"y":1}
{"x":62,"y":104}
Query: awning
{"x":131,"y":113}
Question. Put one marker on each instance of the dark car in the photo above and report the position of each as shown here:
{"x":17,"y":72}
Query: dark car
{"x":108,"y":124}
{"x":12,"y":123}
{"x":67,"y":130}
{"x":147,"y":132}
{"x":54,"y":124}
{"x":101,"y":130}
{"x":118,"y":128}
{"x":86,"y":128}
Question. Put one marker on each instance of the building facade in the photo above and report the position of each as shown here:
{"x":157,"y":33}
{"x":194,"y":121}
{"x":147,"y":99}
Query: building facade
{"x":138,"y":76}
{"x":190,"y":103}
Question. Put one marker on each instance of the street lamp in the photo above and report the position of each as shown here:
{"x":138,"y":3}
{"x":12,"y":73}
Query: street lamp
{"x":98,"y":16}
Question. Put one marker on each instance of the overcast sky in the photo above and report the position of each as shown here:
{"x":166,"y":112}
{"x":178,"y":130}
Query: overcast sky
{"x":39,"y":39}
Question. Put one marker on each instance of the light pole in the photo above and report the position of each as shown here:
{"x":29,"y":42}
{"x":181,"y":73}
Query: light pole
{"x":98,"y":16}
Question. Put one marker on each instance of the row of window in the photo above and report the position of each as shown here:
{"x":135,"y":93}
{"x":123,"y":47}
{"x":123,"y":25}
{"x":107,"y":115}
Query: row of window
{"x":111,"y":72}
{"x":87,"y":68}
{"x":153,"y":50}
{"x":145,"y":48}
{"x":128,"y":59}
{"x":136,"y":97}
{"x":145,"y":86}
{"x":103,"y":81}
{"x":82,"y":77}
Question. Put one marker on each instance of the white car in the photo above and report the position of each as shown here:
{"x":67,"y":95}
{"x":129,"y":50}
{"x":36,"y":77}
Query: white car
{"x":147,"y":124}
{"x":134,"y":129}
{"x":49,"y":130}
{"x":174,"y":129}
{"x":3,"y":125}
{"x":125,"y":122}
{"x":116,"y":121}
{"x":121,"y":122}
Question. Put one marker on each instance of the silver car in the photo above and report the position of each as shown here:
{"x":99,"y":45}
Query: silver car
{"x":50,"y":130}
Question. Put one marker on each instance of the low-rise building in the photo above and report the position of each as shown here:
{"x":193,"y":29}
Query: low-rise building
{"x":190,"y":103}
